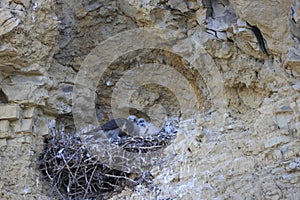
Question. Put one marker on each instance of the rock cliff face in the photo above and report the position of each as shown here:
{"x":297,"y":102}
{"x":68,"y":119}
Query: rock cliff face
{"x":230,"y":69}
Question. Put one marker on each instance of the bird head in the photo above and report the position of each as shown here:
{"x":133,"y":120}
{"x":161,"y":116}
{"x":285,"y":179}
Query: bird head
{"x":132,"y":118}
{"x":141,"y":122}
{"x":127,"y":127}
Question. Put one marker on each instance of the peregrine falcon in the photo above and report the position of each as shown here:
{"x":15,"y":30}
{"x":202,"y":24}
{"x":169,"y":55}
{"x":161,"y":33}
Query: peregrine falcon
{"x":117,"y":128}
{"x":132,"y":118}
{"x":146,"y":128}
{"x":169,"y":127}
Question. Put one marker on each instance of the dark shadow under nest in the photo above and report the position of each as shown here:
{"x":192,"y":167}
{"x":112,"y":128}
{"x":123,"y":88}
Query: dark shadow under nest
{"x":74,"y":173}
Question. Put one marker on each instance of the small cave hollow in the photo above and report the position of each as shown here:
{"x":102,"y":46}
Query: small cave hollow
{"x":3,"y":97}
{"x":150,"y":97}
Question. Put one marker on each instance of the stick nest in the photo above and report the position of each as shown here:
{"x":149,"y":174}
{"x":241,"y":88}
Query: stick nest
{"x":75,"y":173}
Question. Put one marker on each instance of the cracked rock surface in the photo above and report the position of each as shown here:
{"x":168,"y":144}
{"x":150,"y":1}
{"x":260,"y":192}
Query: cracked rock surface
{"x":230,"y":71}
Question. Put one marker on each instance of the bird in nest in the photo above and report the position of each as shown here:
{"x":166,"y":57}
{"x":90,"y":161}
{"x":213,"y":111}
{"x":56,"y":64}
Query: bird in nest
{"x":118,"y":128}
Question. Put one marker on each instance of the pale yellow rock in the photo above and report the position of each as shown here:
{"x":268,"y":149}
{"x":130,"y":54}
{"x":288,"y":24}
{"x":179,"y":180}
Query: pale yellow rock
{"x":2,"y":143}
{"x":137,"y":10}
{"x":4,"y":129}
{"x":292,"y":60}
{"x":178,"y":4}
{"x":277,"y":155}
{"x":270,"y":17}
{"x":26,"y":93}
{"x":9,"y":111}
{"x":294,"y":18}
{"x":4,"y":126}
{"x":23,"y":126}
{"x":201,"y":15}
{"x":238,"y":153}
{"x":275,"y":141}
{"x":297,"y":125}
{"x":283,"y":119}
{"x":19,"y":141}
{"x":7,"y":21}
{"x":28,"y":112}
{"x":18,"y":92}
{"x":42,"y":127}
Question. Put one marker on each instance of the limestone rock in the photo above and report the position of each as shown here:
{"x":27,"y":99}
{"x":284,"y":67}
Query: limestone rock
{"x":2,"y":144}
{"x":294,"y":20}
{"x":284,"y":116}
{"x":177,"y":4}
{"x":29,"y":112}
{"x":270,"y":17}
{"x":140,"y":11}
{"x":276,"y":141}
{"x":42,"y":126}
{"x":239,"y":130}
{"x":22,"y":93}
{"x":23,"y":126}
{"x":60,"y":100}
{"x":9,"y":111}
{"x":4,"y":129}
{"x":292,"y":61}
{"x":8,"y":21}
{"x":218,"y":50}
{"x":297,"y":125}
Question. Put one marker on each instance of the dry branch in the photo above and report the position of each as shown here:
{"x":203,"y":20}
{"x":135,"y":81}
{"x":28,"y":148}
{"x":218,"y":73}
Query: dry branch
{"x":74,"y":173}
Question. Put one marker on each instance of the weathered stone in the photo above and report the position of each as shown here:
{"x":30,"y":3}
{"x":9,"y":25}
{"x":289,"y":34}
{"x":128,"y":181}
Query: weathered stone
{"x":8,"y":21}
{"x":296,"y":87}
{"x":2,"y":144}
{"x":134,"y":10}
{"x":42,"y":127}
{"x":277,"y":155}
{"x":275,"y":141}
{"x":23,"y":126}
{"x":218,"y":50}
{"x":19,"y":93}
{"x":201,"y":16}
{"x":19,"y":141}
{"x":294,"y":18}
{"x":247,"y":151}
{"x":177,"y":4}
{"x":270,"y":17}
{"x":293,"y":166}
{"x":9,"y":111}
{"x":26,"y":3}
{"x":4,"y":129}
{"x":297,"y":126}
{"x":292,"y":60}
{"x":246,"y":40}
{"x":250,"y":97}
{"x":284,"y":117}
{"x":284,"y":109}
{"x":4,"y":126}
{"x":28,"y":112}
